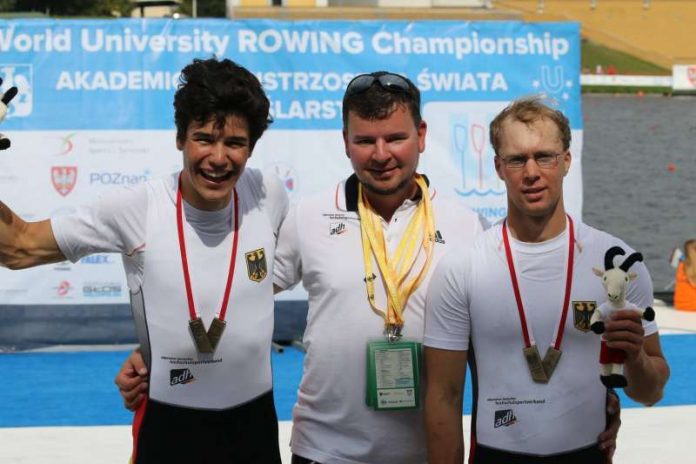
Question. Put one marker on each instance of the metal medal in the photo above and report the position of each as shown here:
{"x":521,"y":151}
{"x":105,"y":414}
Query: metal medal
{"x":393,"y":333}
{"x":217,"y":327}
{"x":200,"y":336}
{"x":536,"y":368}
{"x":550,"y":361}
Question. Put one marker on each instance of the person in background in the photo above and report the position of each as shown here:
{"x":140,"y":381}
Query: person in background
{"x":685,"y":280}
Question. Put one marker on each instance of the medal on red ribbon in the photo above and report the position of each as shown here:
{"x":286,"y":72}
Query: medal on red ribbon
{"x":206,"y":341}
{"x":541,"y":371}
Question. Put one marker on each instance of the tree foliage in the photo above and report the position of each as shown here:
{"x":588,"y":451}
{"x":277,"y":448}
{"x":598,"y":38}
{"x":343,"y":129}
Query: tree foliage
{"x":205,"y":8}
{"x":72,"y":7}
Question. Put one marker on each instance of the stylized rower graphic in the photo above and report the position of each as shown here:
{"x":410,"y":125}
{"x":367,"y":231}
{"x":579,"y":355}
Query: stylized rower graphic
{"x":64,"y":178}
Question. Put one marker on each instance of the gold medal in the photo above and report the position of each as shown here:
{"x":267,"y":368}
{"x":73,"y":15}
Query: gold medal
{"x":550,"y":361}
{"x":536,"y":368}
{"x":200,"y":336}
{"x":217,"y":327}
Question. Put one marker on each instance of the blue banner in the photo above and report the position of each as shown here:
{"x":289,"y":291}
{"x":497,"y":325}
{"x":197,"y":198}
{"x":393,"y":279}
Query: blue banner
{"x":121,"y":74}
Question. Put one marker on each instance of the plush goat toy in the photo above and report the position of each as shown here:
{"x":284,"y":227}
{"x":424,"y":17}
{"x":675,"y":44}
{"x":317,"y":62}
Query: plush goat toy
{"x":615,"y":280}
{"x":4,"y":101}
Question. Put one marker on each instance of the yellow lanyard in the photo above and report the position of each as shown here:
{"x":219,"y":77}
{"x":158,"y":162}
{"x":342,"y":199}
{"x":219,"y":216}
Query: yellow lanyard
{"x":420,"y":232}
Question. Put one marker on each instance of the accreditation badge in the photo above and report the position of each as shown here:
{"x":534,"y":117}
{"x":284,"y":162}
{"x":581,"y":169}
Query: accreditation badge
{"x":393,"y":375}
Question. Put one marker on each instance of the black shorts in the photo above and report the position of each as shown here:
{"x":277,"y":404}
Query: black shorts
{"x":170,"y":434}
{"x":590,"y":455}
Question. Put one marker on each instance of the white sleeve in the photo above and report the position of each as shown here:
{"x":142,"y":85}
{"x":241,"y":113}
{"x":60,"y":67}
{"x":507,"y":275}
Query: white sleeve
{"x":276,"y":200}
{"x":113,"y":224}
{"x":447,"y":322}
{"x":287,"y":268}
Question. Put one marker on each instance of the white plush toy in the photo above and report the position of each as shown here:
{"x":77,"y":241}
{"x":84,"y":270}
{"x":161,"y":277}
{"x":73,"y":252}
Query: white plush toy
{"x":5,"y":99}
{"x":615,"y":280}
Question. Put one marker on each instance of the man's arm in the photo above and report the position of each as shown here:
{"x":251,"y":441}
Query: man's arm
{"x":444,"y":386}
{"x":645,"y":368}
{"x":26,"y":244}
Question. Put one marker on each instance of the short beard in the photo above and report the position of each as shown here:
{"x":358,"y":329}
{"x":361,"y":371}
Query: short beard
{"x":404,"y":183}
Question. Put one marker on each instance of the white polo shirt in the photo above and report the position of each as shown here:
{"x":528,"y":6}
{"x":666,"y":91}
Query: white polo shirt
{"x":320,"y":244}
{"x":471,"y":306}
{"x":140,"y":223}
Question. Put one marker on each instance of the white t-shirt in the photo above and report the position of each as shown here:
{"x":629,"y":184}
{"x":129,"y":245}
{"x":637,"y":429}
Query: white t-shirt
{"x":471,"y":306}
{"x":320,"y":244}
{"x":140,"y":223}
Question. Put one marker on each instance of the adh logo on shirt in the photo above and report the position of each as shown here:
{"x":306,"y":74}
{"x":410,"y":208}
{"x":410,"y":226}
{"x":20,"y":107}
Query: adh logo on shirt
{"x":180,"y":377}
{"x":337,"y":228}
{"x":582,"y":312}
{"x":504,"y":418}
{"x":256,"y":265}
{"x":64,"y":179}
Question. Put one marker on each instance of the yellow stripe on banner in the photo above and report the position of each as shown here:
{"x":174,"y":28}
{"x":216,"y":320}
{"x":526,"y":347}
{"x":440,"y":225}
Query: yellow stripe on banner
{"x":254,"y":3}
{"x":301,"y":3}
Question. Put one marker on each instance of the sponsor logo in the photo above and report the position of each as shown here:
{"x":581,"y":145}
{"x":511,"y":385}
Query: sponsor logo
{"x":438,"y":238}
{"x":256,"y":265}
{"x":287,"y":176}
{"x":19,"y":75}
{"x":101,"y":289}
{"x":118,"y":178}
{"x":180,"y":377}
{"x":691,"y":75}
{"x":337,"y":228}
{"x":582,"y":312}
{"x":64,"y":179}
{"x":504,"y":418}
{"x":60,"y":145}
{"x":63,"y":289}
{"x":96,"y":259}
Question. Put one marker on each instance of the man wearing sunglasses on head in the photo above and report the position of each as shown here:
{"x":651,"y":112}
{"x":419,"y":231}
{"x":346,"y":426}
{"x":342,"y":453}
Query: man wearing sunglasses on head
{"x":502,"y":304}
{"x":365,"y":250}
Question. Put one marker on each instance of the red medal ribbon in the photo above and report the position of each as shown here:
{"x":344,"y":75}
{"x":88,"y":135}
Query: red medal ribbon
{"x":184,"y":260}
{"x":516,"y":288}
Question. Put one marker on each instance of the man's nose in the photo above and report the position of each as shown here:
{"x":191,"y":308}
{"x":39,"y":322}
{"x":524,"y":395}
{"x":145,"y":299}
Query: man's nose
{"x":382,"y":152}
{"x":531,"y":169}
{"x":218,"y":153}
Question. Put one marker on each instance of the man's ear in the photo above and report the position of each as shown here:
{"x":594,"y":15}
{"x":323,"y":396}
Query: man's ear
{"x":567,"y":159}
{"x":422,"y":132}
{"x":179,"y":144}
{"x":345,"y":142}
{"x":498,"y":167}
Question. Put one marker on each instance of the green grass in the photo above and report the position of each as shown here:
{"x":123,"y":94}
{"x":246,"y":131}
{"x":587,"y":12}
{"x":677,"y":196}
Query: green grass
{"x":626,"y":89}
{"x":594,"y":54}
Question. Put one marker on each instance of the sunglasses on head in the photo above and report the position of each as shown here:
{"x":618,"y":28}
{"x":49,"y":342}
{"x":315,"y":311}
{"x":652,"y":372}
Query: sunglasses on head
{"x":388,"y":81}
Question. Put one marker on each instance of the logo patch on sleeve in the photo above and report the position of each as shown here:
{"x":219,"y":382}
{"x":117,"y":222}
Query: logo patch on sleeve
{"x":256,"y":265}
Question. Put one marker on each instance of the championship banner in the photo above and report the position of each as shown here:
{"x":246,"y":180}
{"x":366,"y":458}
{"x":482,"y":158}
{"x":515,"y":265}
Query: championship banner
{"x":94,"y":111}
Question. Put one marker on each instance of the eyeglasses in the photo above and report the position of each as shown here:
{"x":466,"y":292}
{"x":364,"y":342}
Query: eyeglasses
{"x":543,"y":160}
{"x":386,"y":80}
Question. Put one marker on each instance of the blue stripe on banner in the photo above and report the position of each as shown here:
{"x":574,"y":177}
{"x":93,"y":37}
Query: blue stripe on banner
{"x":48,"y":389}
